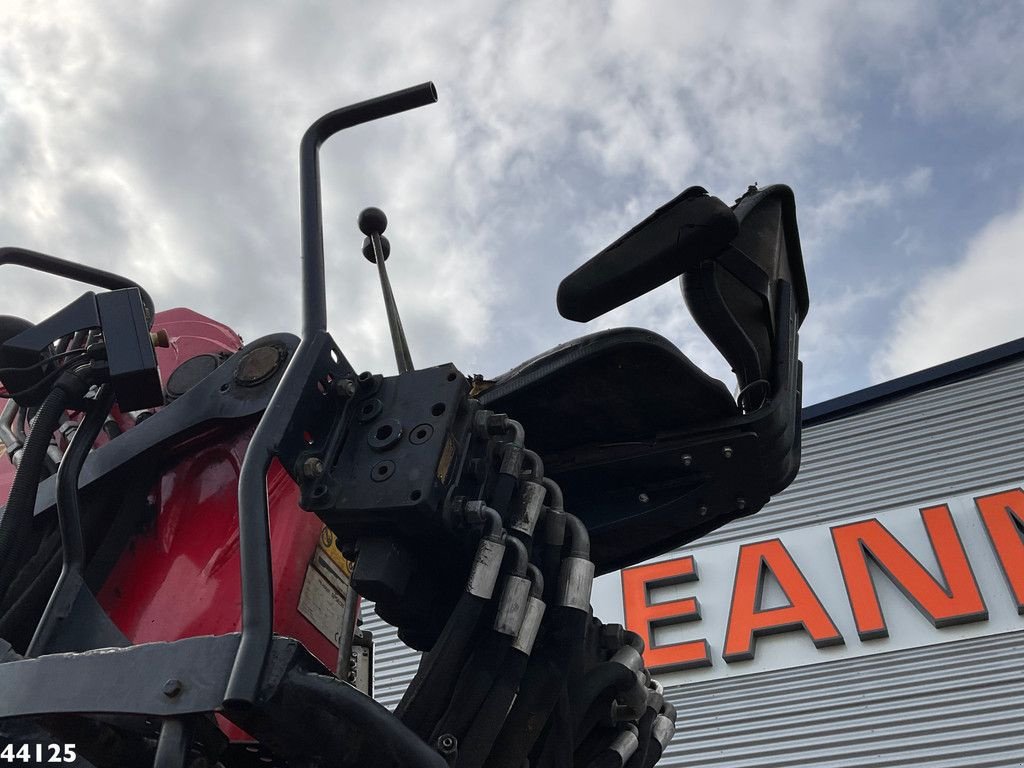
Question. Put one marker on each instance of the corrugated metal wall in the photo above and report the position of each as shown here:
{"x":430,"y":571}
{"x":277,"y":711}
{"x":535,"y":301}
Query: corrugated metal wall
{"x":934,"y":444}
{"x":955,"y":704}
{"x":394,"y":664}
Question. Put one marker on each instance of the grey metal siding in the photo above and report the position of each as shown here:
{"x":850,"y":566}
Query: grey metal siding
{"x":955,"y":704}
{"x":394,"y":663}
{"x":925,"y":446}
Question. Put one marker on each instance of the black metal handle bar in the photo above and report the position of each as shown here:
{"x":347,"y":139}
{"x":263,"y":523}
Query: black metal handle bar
{"x":253,"y":507}
{"x":314,"y":294}
{"x":41,"y":262}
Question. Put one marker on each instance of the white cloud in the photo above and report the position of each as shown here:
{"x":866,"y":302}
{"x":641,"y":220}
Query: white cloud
{"x":161,"y":142}
{"x":856,"y":199}
{"x":969,"y":65}
{"x":972,"y":305}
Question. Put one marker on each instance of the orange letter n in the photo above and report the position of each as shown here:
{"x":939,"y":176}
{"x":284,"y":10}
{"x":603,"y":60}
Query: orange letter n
{"x":958,"y":603}
{"x":1003,"y":515}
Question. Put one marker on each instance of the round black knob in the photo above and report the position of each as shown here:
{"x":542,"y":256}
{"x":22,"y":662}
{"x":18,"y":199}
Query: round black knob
{"x":372,"y":220}
{"x":368,"y":249}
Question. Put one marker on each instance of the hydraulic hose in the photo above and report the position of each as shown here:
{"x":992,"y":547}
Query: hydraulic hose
{"x":17,"y":519}
{"x":475,"y":682}
{"x":385,"y":734}
{"x":478,"y":741}
{"x":643,"y":739}
{"x":541,"y":687}
{"x":488,"y":719}
{"x":428,"y":694}
{"x":661,"y":734}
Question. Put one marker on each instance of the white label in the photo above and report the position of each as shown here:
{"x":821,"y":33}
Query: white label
{"x":323,"y":595}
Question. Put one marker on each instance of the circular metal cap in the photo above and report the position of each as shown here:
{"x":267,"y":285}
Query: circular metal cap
{"x":190,"y":373}
{"x":258,"y":365}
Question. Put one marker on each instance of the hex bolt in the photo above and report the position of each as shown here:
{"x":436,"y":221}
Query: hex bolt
{"x":702,"y":510}
{"x":687,"y":459}
{"x":727,"y":452}
{"x":172,"y":688}
{"x":741,"y":503}
{"x":644,"y":498}
{"x":312,"y":468}
{"x":344,"y":387}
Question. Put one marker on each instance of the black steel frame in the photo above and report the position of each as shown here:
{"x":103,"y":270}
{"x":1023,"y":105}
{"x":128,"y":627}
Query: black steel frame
{"x":316,"y":350}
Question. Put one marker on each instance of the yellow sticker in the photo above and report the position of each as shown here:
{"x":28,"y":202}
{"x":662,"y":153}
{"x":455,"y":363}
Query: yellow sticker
{"x":329,"y":545}
{"x":444,"y":464}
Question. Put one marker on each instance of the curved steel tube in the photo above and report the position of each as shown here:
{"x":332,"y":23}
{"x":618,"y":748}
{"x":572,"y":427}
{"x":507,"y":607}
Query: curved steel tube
{"x":69,"y":520}
{"x":314,"y":294}
{"x":253,"y":509}
{"x":41,"y":262}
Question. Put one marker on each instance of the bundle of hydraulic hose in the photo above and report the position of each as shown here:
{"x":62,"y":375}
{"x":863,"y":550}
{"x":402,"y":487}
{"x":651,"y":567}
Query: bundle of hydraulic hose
{"x":523,"y":673}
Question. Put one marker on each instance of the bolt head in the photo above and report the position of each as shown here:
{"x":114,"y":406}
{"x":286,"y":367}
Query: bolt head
{"x":727,"y":452}
{"x":172,"y":688}
{"x":702,"y":510}
{"x":312,"y":468}
{"x":643,"y":498}
{"x":687,"y":459}
{"x":345,"y":387}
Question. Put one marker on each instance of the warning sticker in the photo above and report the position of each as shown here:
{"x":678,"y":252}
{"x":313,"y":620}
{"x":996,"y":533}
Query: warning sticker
{"x":329,"y":545}
{"x":326,"y":587}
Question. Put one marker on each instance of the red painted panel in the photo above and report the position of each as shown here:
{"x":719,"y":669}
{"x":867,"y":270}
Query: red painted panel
{"x":180,"y":578}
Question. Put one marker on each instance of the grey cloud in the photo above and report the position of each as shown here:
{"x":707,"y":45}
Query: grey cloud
{"x":162,"y":142}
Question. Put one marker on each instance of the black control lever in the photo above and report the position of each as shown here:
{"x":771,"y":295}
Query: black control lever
{"x":376,"y":248}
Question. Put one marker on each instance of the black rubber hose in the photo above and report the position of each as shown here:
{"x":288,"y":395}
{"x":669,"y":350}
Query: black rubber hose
{"x":541,"y":688}
{"x":385,"y":735}
{"x":594,"y":752}
{"x":478,"y":741}
{"x":19,"y":619}
{"x":474,"y":684}
{"x":430,"y":690}
{"x":654,"y":749}
{"x":17,"y":519}
{"x":555,"y":748}
{"x":644,"y":739}
{"x":550,"y":553}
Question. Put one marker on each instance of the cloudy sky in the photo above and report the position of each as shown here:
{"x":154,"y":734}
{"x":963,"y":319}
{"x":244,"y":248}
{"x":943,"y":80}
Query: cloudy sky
{"x":159,"y":139}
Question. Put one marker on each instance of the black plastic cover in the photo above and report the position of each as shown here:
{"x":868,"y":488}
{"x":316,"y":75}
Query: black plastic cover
{"x":130,"y":354}
{"x":732,"y":296}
